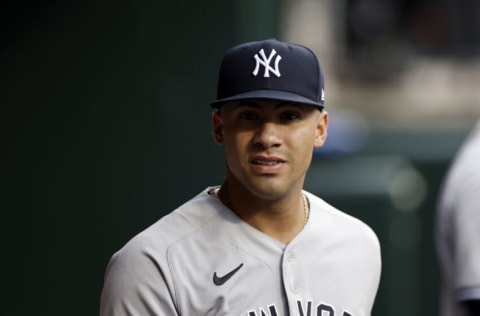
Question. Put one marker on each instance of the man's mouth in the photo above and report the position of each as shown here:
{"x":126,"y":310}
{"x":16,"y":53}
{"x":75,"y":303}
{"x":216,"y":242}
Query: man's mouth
{"x":266,"y":162}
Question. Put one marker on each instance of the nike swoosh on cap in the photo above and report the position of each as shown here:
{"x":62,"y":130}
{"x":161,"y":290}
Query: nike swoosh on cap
{"x":220,"y":280}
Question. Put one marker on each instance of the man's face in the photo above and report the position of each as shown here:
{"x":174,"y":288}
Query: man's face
{"x":268,"y":144}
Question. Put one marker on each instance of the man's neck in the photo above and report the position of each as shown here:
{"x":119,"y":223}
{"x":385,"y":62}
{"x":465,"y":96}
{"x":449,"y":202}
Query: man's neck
{"x":281,"y":218}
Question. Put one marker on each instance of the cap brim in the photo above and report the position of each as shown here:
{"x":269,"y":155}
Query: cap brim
{"x":268,"y":94}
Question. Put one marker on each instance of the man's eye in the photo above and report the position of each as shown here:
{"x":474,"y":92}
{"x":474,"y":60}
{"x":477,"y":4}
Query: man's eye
{"x":289,"y":116}
{"x":248,"y":116}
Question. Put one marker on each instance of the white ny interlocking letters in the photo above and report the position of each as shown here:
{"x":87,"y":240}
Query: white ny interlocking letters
{"x":265,"y":62}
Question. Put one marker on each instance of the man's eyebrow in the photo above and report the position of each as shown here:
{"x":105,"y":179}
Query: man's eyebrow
{"x":280,"y":104}
{"x":288,"y":103}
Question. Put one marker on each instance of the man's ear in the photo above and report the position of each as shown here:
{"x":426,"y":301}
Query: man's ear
{"x":321,"y":129}
{"x":217,"y":123}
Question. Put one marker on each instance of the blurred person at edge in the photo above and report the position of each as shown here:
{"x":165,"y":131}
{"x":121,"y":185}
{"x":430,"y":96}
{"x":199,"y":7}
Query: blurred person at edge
{"x":458,"y":231}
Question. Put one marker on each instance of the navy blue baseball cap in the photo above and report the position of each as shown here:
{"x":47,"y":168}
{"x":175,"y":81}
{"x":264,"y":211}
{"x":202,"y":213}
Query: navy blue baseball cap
{"x":270,"y":69}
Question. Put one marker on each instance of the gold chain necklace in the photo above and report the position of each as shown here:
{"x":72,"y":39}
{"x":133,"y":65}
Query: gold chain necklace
{"x":306,"y":205}
{"x":306,"y":208}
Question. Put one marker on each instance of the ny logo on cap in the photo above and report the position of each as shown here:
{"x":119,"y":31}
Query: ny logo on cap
{"x":265,"y":62}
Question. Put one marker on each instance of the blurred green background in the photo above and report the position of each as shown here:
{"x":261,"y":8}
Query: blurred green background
{"x":105,"y":127}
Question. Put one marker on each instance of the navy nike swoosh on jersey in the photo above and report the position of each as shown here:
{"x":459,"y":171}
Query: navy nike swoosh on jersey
{"x":219,"y":280}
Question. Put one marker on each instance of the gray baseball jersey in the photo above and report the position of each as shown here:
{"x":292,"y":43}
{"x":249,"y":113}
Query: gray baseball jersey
{"x":458,"y":228}
{"x":202,"y":259}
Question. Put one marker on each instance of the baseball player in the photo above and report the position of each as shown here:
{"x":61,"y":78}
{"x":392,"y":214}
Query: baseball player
{"x":258,"y":245}
{"x":458,"y":232}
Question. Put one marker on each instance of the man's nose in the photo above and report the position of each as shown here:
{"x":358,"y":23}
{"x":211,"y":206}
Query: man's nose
{"x":267,"y":135}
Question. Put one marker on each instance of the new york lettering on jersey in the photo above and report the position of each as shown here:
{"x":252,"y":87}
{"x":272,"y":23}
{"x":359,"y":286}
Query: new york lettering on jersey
{"x":308,"y":309}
